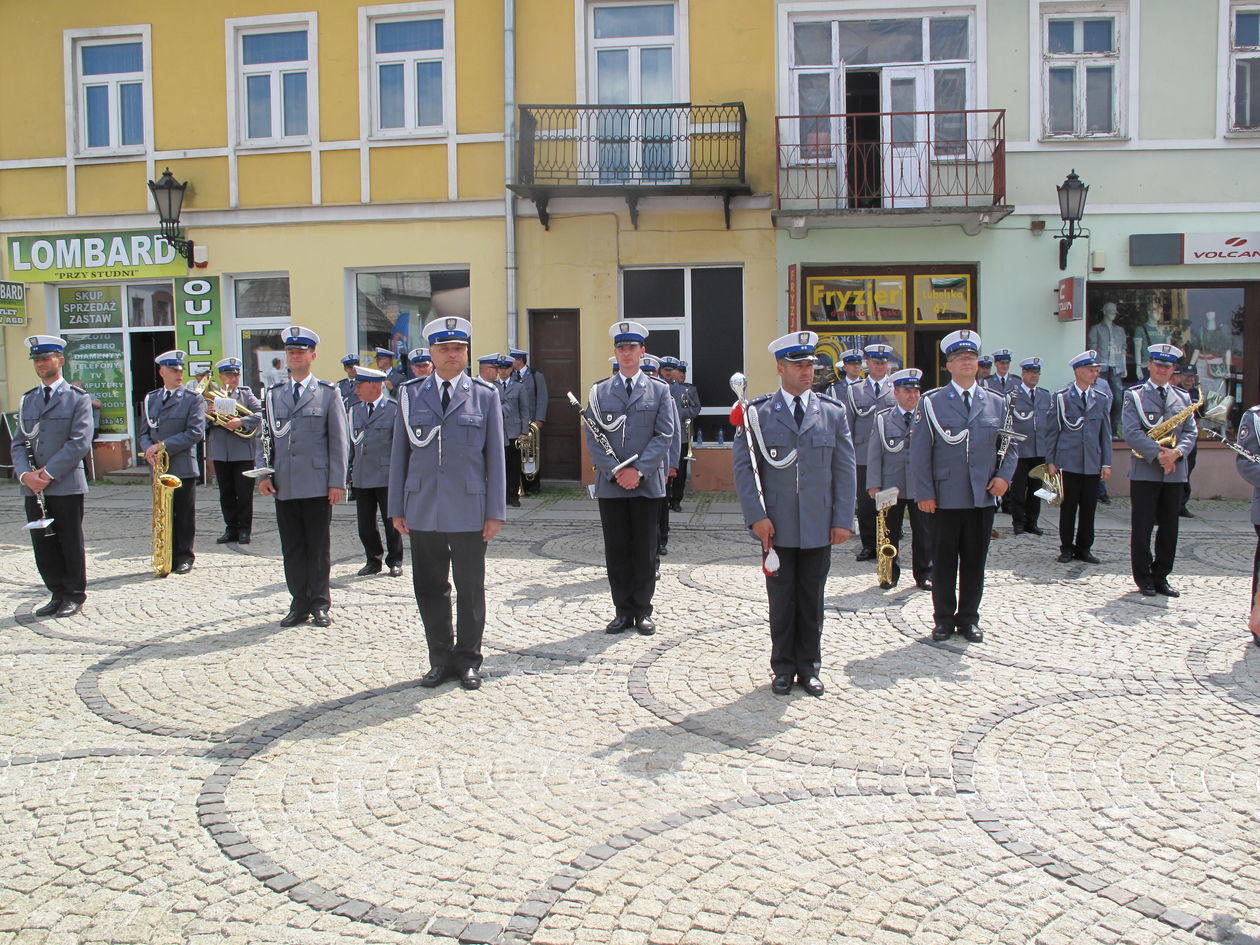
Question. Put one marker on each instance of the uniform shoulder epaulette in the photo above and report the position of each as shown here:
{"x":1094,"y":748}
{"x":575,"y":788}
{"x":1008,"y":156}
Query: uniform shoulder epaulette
{"x":1137,"y":386}
{"x":277,"y":384}
{"x":934,"y":390}
{"x":829,"y":399}
{"x":328,"y":384}
{"x":32,"y":390}
{"x":659,"y":380}
{"x":756,"y":401}
{"x":412,"y":380}
{"x":78,"y":390}
{"x":484,"y":383}
{"x":1252,"y":409}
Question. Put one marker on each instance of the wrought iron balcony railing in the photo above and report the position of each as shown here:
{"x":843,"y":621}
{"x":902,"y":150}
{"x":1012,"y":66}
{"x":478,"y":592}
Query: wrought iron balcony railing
{"x":891,"y":160}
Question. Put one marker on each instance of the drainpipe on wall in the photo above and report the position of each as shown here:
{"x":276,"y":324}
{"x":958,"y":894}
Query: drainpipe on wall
{"x":509,"y":154}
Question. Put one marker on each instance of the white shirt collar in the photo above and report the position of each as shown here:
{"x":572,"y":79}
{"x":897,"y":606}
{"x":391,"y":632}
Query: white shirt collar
{"x":632,"y":378}
{"x":787,"y":398}
{"x":1077,"y":387}
{"x":974,"y":389}
{"x":1030,"y":391}
{"x":54,"y":386}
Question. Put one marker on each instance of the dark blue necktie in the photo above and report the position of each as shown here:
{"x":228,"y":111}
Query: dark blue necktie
{"x":446,"y":395}
{"x":297,"y":392}
{"x":967,"y":402}
{"x":47,"y":393}
{"x":798,"y":411}
{"x":629,"y":388}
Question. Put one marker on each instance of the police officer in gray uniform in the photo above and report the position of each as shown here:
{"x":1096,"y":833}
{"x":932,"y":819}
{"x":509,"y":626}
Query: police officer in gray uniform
{"x":1249,"y":469}
{"x":850,"y":372}
{"x":395,"y":375}
{"x":886,"y":469}
{"x":174,"y":417}
{"x":1078,"y":448}
{"x":864,"y":400}
{"x":956,"y":475}
{"x":309,"y":450}
{"x":687,"y":398}
{"x":1031,"y":414}
{"x":53,"y":435}
{"x":447,"y":490}
{"x":346,"y":387}
{"x":535,"y":399}
{"x":1156,"y":480}
{"x":233,"y":455}
{"x":1002,"y":381}
{"x":809,"y":477}
{"x":370,"y":427}
{"x":636,"y":415}
{"x":651,"y":366}
{"x":516,"y":411}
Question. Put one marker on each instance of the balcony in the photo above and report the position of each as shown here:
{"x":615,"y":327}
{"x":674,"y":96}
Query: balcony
{"x":630,"y":151}
{"x":891,"y":169}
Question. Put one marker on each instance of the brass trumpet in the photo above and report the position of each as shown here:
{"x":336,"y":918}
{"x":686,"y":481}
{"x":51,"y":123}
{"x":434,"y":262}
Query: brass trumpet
{"x":164,"y":486}
{"x":213,"y":394}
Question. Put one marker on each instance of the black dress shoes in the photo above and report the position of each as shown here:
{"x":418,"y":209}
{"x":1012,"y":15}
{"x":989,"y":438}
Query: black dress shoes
{"x":1033,"y":530}
{"x":1087,"y":557}
{"x":971,"y":633}
{"x":435,"y":677}
{"x":812,"y":685}
{"x":515,"y":502}
{"x":372,"y":567}
{"x":942,"y":630}
{"x":1186,"y":513}
{"x":924,"y":585}
{"x":68,"y":608}
{"x":395,"y":570}
{"x":48,"y":609}
{"x":1065,"y":557}
{"x":781,"y":685}
{"x":182,"y":568}
{"x":225,"y":538}
{"x":1105,"y":499}
{"x":470,"y":678}
{"x":320,"y":618}
{"x":619,"y":624}
{"x":1163,"y":587}
{"x":645,"y":626}
{"x":675,"y":506}
{"x":661,"y":550}
{"x":1018,"y":529}
{"x":243,"y":538}
{"x":1146,"y":590}
{"x":886,"y":585}
{"x":294,"y":617}
{"x":866,"y":554}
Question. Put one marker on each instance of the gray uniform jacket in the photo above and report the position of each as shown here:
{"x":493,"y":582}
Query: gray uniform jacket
{"x":398,"y":376}
{"x":1002,"y":385}
{"x":862,"y":406}
{"x":816,"y":490}
{"x":309,"y":445}
{"x":61,"y":433}
{"x":676,"y":395}
{"x":371,"y":443}
{"x":643,"y":425}
{"x":516,"y":409}
{"x":224,"y":446}
{"x":180,"y":423}
{"x":1079,"y":441}
{"x":349,"y":391}
{"x":1249,"y":439}
{"x":1032,"y":418}
{"x":536,"y":396}
{"x":889,"y":452}
{"x":448,"y":470}
{"x":1143,"y":409}
{"x":953,"y":456}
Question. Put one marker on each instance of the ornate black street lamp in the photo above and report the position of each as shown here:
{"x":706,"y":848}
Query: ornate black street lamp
{"x":1072,"y":194}
{"x":168,"y":195}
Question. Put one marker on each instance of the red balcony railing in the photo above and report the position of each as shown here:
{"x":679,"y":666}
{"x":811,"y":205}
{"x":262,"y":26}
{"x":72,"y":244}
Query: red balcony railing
{"x":891,"y":160}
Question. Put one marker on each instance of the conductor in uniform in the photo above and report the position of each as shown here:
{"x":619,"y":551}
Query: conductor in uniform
{"x":863,"y":400}
{"x":886,"y":469}
{"x":309,"y":450}
{"x":1031,"y":412}
{"x":1078,"y":448}
{"x":1157,"y":479}
{"x":447,"y":492}
{"x":174,"y":417}
{"x":805,"y":505}
{"x":54,"y":434}
{"x":636,"y":415}
{"x":233,"y":454}
{"x":370,"y":426}
{"x":956,"y":475}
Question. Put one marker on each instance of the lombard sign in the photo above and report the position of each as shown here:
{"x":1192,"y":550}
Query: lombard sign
{"x":1221,"y":248}
{"x":12,"y":303}
{"x":77,"y":257}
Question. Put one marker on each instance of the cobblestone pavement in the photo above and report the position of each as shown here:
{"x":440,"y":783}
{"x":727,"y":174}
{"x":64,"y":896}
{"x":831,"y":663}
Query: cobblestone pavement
{"x":176,"y":767}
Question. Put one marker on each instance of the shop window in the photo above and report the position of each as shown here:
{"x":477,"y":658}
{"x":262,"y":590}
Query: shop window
{"x":110,"y":74}
{"x":391,"y":307}
{"x":274,"y":64}
{"x":411,"y":59}
{"x":265,"y":297}
{"x":1082,"y":76}
{"x":150,"y":306}
{"x":1244,"y":55}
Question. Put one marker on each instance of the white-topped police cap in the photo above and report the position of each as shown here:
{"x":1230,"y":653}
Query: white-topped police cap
{"x":1165,"y":352}
{"x":350,"y":359}
{"x":613,"y":359}
{"x":1084,"y":359}
{"x":984,"y":360}
{"x":449,"y":330}
{"x":518,"y":353}
{"x":45,"y":344}
{"x":369,"y":375}
{"x":794,"y":346}
{"x":384,"y":353}
{"x":171,"y":358}
{"x":1002,"y":354}
{"x":627,"y":333}
{"x":879,"y":352}
{"x":910,"y":377}
{"x":649,"y":363}
{"x":682,"y":366}
{"x":229,"y":364}
{"x":852,"y":356}
{"x":670,"y":362}
{"x":1030,"y":364}
{"x":489,"y":359}
{"x":506,"y":361}
{"x":418,"y":355}
{"x":962,"y":340}
{"x":295,"y":336}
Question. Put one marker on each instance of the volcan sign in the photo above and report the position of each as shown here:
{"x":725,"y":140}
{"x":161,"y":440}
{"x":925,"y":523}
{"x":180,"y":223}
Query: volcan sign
{"x":1221,"y":248}
{"x":74,"y":257}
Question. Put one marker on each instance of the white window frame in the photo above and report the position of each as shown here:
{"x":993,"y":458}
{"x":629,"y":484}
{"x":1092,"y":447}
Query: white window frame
{"x":1234,"y":54}
{"x":1119,"y":60}
{"x":237,"y":88}
{"x":76,"y":85}
{"x":369,"y":76}
{"x":585,"y":45}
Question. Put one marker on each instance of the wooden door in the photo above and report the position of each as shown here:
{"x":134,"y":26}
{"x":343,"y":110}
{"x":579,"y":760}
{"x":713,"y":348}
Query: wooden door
{"x":554,"y":350}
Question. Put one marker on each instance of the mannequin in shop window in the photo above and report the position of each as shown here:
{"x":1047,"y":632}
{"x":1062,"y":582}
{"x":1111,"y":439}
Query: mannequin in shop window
{"x":1150,"y":332}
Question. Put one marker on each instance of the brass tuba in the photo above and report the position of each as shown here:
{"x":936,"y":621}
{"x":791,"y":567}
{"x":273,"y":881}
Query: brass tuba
{"x":164,"y":486}
{"x":213,"y":394}
{"x":1051,"y":483}
{"x":1162,"y":432}
{"x":530,"y":445}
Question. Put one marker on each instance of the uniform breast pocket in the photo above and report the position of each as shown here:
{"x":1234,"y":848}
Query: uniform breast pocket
{"x":471,"y":426}
{"x":821,"y":444}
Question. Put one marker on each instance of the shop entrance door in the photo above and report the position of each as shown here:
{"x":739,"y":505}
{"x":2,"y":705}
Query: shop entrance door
{"x":145,"y":346}
{"x":555,"y":350}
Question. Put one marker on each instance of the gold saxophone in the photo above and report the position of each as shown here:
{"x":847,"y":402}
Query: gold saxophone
{"x":885,"y":551}
{"x":164,"y":486}
{"x":1161,"y":433}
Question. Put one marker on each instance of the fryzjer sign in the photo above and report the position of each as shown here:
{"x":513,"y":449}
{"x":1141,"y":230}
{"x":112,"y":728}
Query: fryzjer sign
{"x":1175,"y":249}
{"x":77,"y":257}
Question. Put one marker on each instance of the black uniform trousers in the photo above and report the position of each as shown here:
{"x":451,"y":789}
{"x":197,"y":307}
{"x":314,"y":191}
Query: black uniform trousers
{"x":515,"y":478}
{"x":236,"y":496}
{"x":59,"y":557}
{"x":369,"y":504}
{"x":865,"y":513}
{"x":920,"y":539}
{"x":1255,"y":565}
{"x":1025,"y":504}
{"x":796,"y":593}
{"x":960,"y":545}
{"x":304,"y":543}
{"x":1076,"y":513}
{"x":183,"y":522}
{"x":678,"y":485}
{"x":1185,"y":492}
{"x":631,"y":532}
{"x":1155,"y":508}
{"x":436,"y":557}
